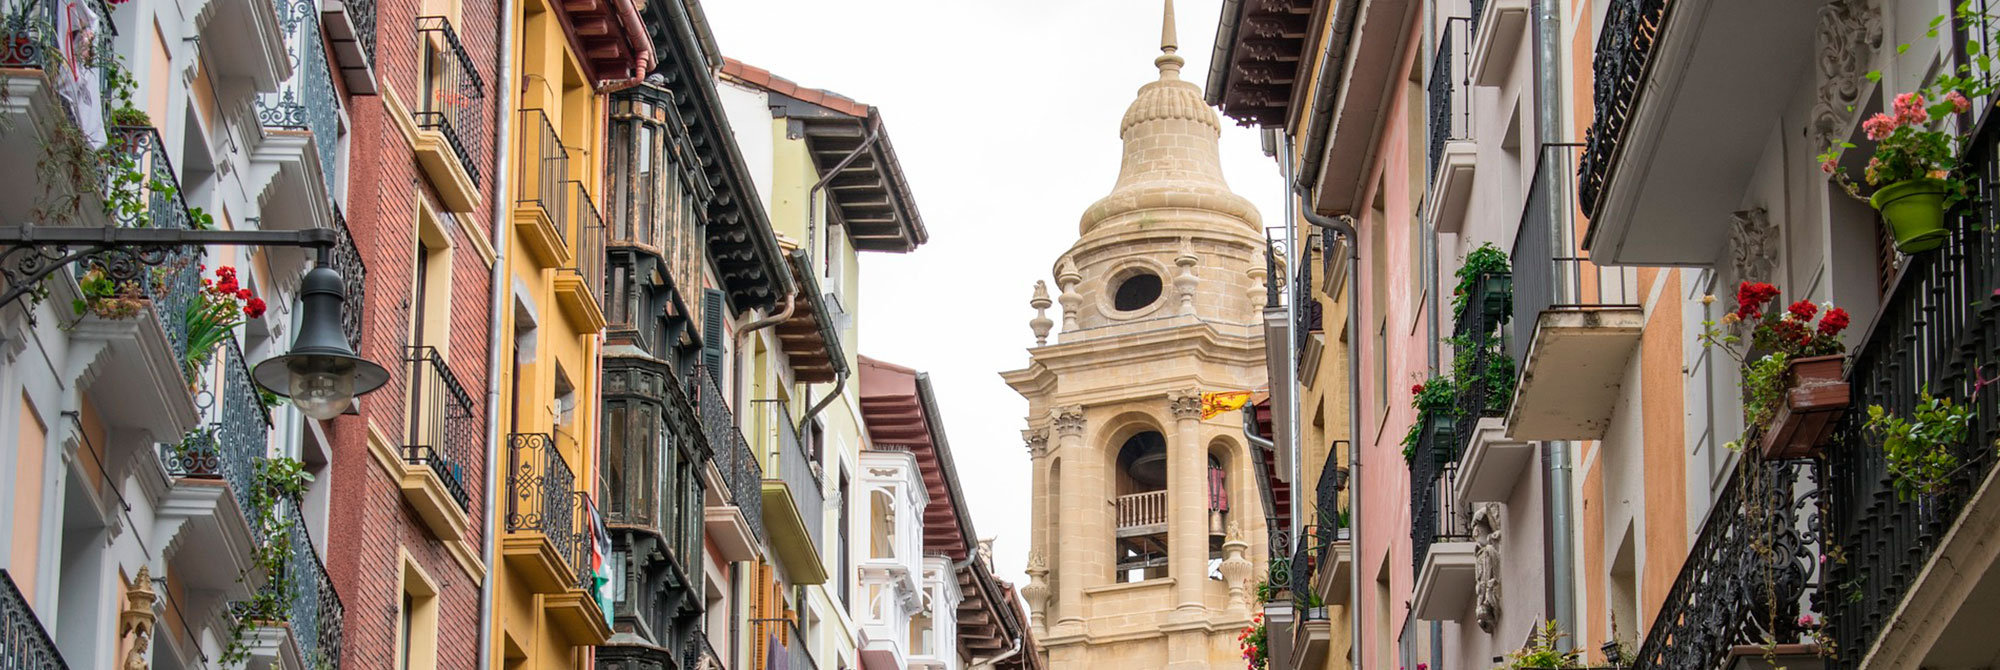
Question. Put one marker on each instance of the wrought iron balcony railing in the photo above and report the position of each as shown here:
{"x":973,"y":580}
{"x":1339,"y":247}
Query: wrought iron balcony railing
{"x":1307,"y":558}
{"x":792,"y":465}
{"x":544,"y":169}
{"x":1937,"y":330}
{"x":1550,"y":269}
{"x":739,"y":465}
{"x":312,"y":605}
{"x":1750,"y":574}
{"x":452,"y":91}
{"x":1483,"y":371}
{"x":1618,"y":71}
{"x":307,"y":101}
{"x":1309,"y":310}
{"x":236,"y":437}
{"x":1436,"y":515}
{"x":24,"y":644}
{"x":776,"y":644}
{"x":1450,"y":89}
{"x":1326,"y":498}
{"x":443,"y":428}
{"x":542,"y":498}
{"x":586,"y":240}
{"x":353,"y":277}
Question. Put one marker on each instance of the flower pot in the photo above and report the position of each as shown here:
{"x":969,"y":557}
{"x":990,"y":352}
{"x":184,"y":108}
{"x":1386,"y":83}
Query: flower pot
{"x":1444,"y":437}
{"x":1914,"y":210}
{"x":1815,"y":398}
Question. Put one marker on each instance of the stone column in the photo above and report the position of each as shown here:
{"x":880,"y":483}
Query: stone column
{"x":1036,"y":591}
{"x":1187,"y":485}
{"x":1070,"y":556}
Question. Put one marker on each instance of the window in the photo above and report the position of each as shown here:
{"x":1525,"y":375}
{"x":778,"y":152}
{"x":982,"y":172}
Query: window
{"x":1137,"y":291}
{"x":431,"y":282}
{"x":416,"y":620}
{"x":1141,"y":508}
{"x":846,"y":543}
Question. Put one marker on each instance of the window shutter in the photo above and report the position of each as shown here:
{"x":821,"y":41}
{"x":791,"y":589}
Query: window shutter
{"x":711,"y":330}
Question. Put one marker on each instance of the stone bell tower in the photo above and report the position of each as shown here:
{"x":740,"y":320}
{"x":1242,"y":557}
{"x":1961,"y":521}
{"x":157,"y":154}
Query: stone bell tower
{"x":1146,"y":518}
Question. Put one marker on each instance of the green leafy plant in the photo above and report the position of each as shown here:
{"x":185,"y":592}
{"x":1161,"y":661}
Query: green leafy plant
{"x":1481,"y":262}
{"x":107,"y":298}
{"x":1496,"y":378}
{"x":1919,"y":448}
{"x":1543,"y":653}
{"x":274,"y":482}
{"x":1435,"y":398}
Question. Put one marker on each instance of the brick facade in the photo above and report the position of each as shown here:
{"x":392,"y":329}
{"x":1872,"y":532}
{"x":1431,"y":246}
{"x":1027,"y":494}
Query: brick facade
{"x":369,"y":518}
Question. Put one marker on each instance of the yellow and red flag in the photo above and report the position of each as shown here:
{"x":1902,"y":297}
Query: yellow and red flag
{"x":1222,"y":401}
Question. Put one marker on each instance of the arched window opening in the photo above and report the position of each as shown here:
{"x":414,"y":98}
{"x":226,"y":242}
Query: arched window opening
{"x":1142,"y":508}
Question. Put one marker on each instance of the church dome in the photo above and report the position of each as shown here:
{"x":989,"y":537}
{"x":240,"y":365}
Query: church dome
{"x":1171,"y":158}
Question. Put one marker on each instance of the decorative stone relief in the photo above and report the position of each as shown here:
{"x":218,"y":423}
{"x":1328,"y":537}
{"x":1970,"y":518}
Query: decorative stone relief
{"x":1753,"y":245}
{"x":1036,"y":591}
{"x":1041,"y":323}
{"x":1068,"y":420}
{"x":1849,"y":33}
{"x":136,"y":620}
{"x":1486,"y":564}
{"x":1186,"y":403}
{"x":1185,"y":281}
{"x":1236,"y":569}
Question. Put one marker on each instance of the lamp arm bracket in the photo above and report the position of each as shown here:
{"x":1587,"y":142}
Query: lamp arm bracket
{"x":29,"y":254}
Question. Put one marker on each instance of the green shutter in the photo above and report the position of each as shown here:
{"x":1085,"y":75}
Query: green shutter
{"x":712,"y":315}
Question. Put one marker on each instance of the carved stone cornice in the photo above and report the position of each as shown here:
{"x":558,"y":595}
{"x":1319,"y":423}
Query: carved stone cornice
{"x":1067,"y":420}
{"x":1037,"y":440}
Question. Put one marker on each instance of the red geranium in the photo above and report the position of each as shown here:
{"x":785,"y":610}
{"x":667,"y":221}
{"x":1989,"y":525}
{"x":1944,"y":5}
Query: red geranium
{"x":1750,"y":299}
{"x":1836,"y":320}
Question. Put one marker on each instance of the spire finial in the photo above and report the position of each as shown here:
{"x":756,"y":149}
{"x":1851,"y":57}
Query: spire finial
{"x":1169,"y":62}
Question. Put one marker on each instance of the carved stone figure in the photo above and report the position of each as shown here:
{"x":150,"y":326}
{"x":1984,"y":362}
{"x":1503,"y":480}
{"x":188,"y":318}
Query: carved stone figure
{"x":1486,"y":564}
{"x":136,"y":621}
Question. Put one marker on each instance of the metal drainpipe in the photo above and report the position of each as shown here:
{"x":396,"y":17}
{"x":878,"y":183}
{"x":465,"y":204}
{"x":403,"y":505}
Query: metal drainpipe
{"x":1295,"y":458}
{"x":496,"y":309}
{"x":812,"y":208}
{"x":1344,"y":227}
{"x":1556,"y":487}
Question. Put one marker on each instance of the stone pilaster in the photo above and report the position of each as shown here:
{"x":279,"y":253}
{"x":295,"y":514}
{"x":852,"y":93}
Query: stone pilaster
{"x":1070,"y":557}
{"x":1187,"y":533}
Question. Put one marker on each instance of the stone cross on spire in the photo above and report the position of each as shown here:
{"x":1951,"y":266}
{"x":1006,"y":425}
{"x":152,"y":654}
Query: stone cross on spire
{"x":1169,"y":62}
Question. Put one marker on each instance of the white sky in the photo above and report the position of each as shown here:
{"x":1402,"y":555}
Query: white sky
{"x":1005,"y":117}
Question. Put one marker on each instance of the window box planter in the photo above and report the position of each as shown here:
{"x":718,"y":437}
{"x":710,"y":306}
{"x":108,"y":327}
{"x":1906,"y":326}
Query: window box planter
{"x":1496,"y":296}
{"x":1815,"y":398}
{"x":1443,"y":437}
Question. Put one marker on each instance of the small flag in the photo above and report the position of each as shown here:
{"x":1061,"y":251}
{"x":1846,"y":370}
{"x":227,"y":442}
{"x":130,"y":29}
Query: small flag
{"x":1225,"y":401}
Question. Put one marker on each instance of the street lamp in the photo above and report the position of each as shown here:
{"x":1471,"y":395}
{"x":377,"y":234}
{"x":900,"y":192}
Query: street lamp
{"x":320,"y":374}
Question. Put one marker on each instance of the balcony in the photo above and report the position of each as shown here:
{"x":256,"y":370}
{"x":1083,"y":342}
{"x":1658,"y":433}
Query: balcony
{"x":27,"y":646}
{"x":1453,"y":154}
{"x":1442,"y":541}
{"x":541,"y":189}
{"x":735,"y":513}
{"x":214,"y":472}
{"x":580,"y":282}
{"x":1673,"y":99}
{"x":777,"y":644}
{"x":1312,"y":632}
{"x":551,"y":532}
{"x":893,"y":497}
{"x":1142,"y":514}
{"x":794,"y":503}
{"x":1492,"y":463}
{"x":310,"y":632}
{"x":934,"y":642}
{"x":1918,"y":575}
{"x":1585,"y":318}
{"x":350,"y":30}
{"x":451,"y":129}
{"x":701,"y":655}
{"x":246,"y":39}
{"x":1309,"y":320}
{"x":1335,"y":559}
{"x":1749,"y":576}
{"x":1497,"y":29}
{"x":298,"y":150}
{"x":644,"y":487}
{"x":1481,"y":365}
{"x":33,"y":115}
{"x":443,"y":435}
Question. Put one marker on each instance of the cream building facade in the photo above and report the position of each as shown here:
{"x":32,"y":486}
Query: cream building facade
{"x":1145,"y":520}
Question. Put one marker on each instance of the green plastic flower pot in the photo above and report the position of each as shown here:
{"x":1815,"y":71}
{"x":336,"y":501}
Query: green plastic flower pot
{"x":1914,"y":210}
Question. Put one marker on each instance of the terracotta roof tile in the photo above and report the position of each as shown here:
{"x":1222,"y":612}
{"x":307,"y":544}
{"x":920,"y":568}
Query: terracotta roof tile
{"x":762,"y":78}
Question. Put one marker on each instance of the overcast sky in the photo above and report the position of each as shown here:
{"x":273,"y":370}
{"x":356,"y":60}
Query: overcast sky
{"x":1005,"y":116}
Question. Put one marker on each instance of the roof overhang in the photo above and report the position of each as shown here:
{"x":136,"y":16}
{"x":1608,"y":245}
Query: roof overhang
{"x":603,"y":37}
{"x":900,"y":411}
{"x":808,"y":336}
{"x":1262,"y":51}
{"x":869,"y":193}
{"x":751,"y":268}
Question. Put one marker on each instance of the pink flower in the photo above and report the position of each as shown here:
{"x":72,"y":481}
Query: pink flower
{"x":1879,"y":126}
{"x":1910,"y":108}
{"x":1958,"y":102}
{"x":1827,"y":166}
